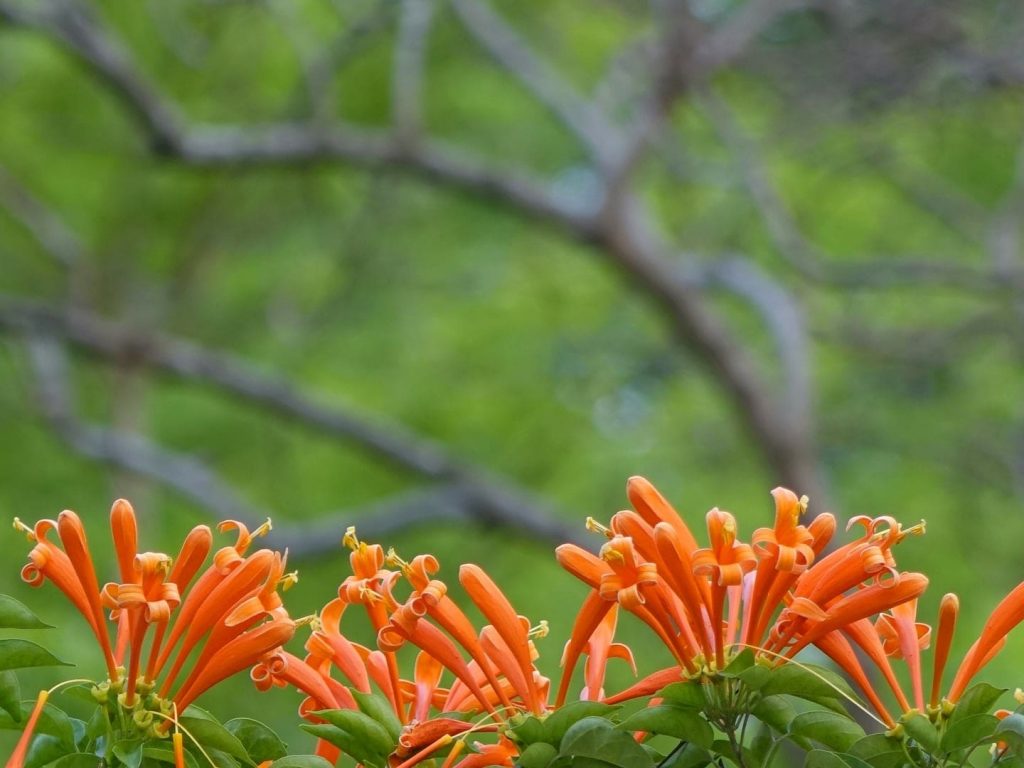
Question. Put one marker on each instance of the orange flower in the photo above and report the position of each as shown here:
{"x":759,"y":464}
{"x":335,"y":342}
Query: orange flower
{"x":600,"y":649}
{"x":948,"y":610}
{"x":904,"y":638}
{"x":724,"y":562}
{"x":70,"y":570}
{"x":1004,"y":617}
{"x":17,"y":758}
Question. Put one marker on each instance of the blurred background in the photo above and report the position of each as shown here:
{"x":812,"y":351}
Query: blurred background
{"x":452,"y":270}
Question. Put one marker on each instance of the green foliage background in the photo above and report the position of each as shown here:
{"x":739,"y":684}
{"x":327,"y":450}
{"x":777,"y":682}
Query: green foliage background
{"x":492,"y":333}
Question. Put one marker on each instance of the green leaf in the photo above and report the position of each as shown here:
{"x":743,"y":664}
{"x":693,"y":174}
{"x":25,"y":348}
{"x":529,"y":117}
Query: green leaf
{"x":165,"y":754}
{"x":537,"y":755}
{"x":833,"y":730}
{"x":301,"y":761}
{"x":597,"y":739}
{"x":77,"y":760}
{"x":668,"y":720}
{"x":689,"y":694}
{"x":687,"y":756}
{"x":347,"y":742}
{"x":755,"y":677}
{"x":967,"y":731}
{"x":760,"y":743}
{"x":259,"y":741}
{"x":19,"y":654}
{"x":211,"y":734}
{"x":978,"y":699}
{"x":218,"y":757}
{"x":879,"y":751}
{"x":52,"y":720}
{"x":526,"y":729}
{"x":807,"y":681}
{"x":16,"y":615}
{"x":558,"y":723}
{"x":380,"y":710}
{"x":44,"y":750}
{"x":129,"y":752}
{"x":10,"y":694}
{"x":368,"y":731}
{"x":921,"y":730}
{"x":741,"y":662}
{"x":775,"y":711}
{"x":819,"y":758}
{"x":97,"y":725}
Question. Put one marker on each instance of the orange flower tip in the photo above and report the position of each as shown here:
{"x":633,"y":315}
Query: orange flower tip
{"x":539,"y":631}
{"x":22,"y":528}
{"x":350,"y":540}
{"x":637,"y":481}
{"x":123,"y":507}
{"x":950,"y":602}
{"x":595,"y":527}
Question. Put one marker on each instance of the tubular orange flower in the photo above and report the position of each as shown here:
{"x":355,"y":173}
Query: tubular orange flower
{"x":948,"y":610}
{"x":904,"y":638}
{"x":1004,"y":617}
{"x":838,"y":648}
{"x":17,"y":758}
{"x":785,"y":549}
{"x":511,"y":629}
{"x":724,"y":562}
{"x":431,"y":595}
{"x":635,"y":585}
{"x":47,"y":561}
{"x":600,"y":650}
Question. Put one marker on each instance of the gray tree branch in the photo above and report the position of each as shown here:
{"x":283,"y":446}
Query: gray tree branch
{"x":488,"y":500}
{"x":513,"y":54}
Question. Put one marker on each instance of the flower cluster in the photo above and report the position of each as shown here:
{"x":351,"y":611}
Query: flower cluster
{"x":435,"y":687}
{"x":492,"y":669}
{"x":216,"y":623}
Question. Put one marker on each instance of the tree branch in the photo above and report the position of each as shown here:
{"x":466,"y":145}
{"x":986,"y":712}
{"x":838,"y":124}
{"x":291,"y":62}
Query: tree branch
{"x":489,"y":500}
{"x":49,"y":230}
{"x":507,"y":47}
{"x":409,"y":63}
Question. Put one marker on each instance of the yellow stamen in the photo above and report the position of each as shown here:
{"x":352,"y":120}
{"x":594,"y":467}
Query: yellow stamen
{"x":900,"y":532}
{"x":22,"y":528}
{"x":539,"y":631}
{"x":612,"y":555}
{"x":350,"y":540}
{"x":264,"y":529}
{"x":312,"y":621}
{"x":367,"y":594}
{"x":392,"y":560}
{"x":289,"y":580}
{"x":595,"y":527}
{"x":1018,"y":695}
{"x":804,"y":501}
